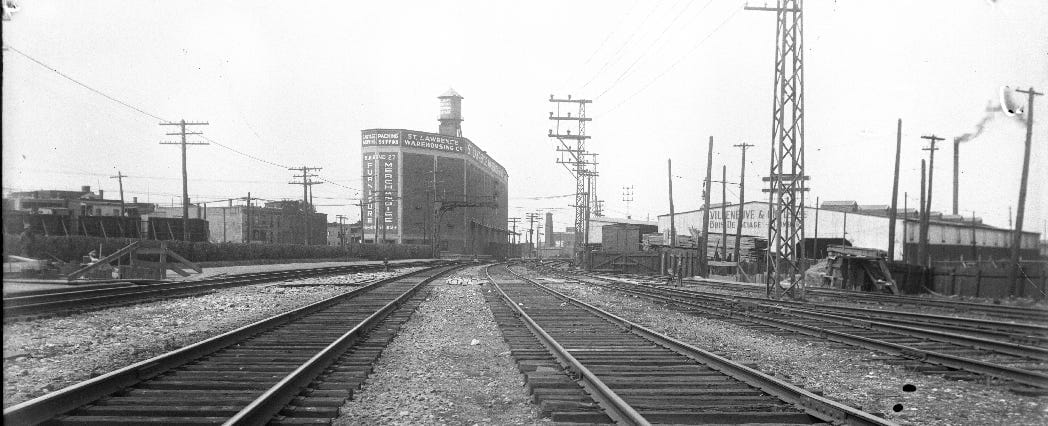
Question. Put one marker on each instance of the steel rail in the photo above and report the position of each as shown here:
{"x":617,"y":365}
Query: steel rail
{"x":741,"y":311}
{"x":1008,"y":348}
{"x":1033,"y":315}
{"x":279,"y":395}
{"x":24,"y":307}
{"x":814,"y":405}
{"x":48,"y":406}
{"x":614,"y":406}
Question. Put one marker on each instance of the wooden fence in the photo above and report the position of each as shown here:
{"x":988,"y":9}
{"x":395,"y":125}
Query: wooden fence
{"x":972,"y":279}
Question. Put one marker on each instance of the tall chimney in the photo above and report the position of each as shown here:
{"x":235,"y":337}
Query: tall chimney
{"x":549,"y":230}
{"x":450,"y":113}
{"x":101,"y":194}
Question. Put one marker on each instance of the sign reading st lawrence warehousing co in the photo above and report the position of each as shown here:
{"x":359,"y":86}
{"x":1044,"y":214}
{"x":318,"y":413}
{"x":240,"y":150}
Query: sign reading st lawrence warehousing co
{"x":380,"y":191}
{"x":433,"y":142}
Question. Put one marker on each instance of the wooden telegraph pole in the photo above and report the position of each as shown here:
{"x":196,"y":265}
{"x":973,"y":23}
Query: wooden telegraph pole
{"x":893,"y":214}
{"x":932,"y":139}
{"x":742,"y":198}
{"x":703,"y":262}
{"x":185,"y":180}
{"x":306,"y":183}
{"x":120,"y":179}
{"x":724,"y":212}
{"x":673,"y":229}
{"x":1017,"y":238}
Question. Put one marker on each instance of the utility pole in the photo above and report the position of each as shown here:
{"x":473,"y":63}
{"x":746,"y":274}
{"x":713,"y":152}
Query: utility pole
{"x":724,"y":212}
{"x":361,"y":204}
{"x":575,"y":159}
{"x":704,"y":269}
{"x":247,"y":218}
{"x":185,"y":180}
{"x":120,"y":179}
{"x":513,"y":221}
{"x":893,"y":214}
{"x":816,"y":245}
{"x":1014,"y":271}
{"x":786,"y":178}
{"x":905,"y":225}
{"x":673,"y":228}
{"x":742,"y":199}
{"x":531,"y":227}
{"x":627,"y":196}
{"x":306,"y":183}
{"x":956,"y":171}
{"x":922,"y":229}
{"x":932,"y":139}
{"x":341,"y":230}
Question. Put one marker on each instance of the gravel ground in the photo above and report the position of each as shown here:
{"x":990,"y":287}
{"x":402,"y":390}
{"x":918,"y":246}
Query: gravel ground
{"x":44,"y":355}
{"x":843,"y":374}
{"x":432,"y":373}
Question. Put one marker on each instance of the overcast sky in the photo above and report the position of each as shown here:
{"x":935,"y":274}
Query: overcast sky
{"x":293,"y":83}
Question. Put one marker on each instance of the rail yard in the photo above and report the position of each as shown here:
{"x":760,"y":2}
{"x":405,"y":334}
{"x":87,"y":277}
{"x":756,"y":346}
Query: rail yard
{"x":222,"y":213}
{"x":577,"y":347}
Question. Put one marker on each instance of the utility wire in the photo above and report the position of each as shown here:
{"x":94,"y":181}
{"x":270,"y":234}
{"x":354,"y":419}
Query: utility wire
{"x":623,"y":46}
{"x":602,"y":43}
{"x":671,"y":67}
{"x":650,"y":47}
{"x":99,"y":92}
{"x":148,"y":114}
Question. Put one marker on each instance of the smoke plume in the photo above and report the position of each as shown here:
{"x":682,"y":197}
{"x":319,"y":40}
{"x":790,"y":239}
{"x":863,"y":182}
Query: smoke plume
{"x":990,"y":111}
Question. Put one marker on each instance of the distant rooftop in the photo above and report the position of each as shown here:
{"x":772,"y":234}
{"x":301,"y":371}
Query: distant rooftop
{"x":451,"y":93}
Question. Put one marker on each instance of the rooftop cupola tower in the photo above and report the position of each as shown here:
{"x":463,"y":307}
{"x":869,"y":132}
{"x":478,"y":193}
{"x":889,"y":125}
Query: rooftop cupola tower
{"x":450,"y":113}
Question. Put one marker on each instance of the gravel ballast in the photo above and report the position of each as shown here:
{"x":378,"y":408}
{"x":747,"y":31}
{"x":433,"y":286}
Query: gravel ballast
{"x":447,"y":365}
{"x":851,"y":376}
{"x":44,"y":355}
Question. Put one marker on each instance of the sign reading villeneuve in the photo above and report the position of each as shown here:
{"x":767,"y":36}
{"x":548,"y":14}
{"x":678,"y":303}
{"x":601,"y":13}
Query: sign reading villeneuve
{"x":433,"y":142}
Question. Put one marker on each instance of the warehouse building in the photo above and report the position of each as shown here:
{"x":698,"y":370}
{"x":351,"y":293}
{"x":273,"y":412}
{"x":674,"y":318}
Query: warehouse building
{"x":433,"y":188}
{"x":836,"y":222}
{"x":275,"y":222}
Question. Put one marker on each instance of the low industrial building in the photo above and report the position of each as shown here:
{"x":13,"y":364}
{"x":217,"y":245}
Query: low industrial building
{"x":847,"y":222}
{"x":85,"y":213}
{"x":434,"y":188}
{"x":275,"y":222}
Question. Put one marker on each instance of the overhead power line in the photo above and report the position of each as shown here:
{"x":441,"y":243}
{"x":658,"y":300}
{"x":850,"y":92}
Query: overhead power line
{"x":147,"y":113}
{"x":671,"y":67}
{"x":651,"y":46}
{"x":78,"y":82}
{"x":623,"y":46}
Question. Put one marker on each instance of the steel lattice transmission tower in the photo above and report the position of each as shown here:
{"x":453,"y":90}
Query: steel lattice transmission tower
{"x":786,"y":178}
{"x":575,"y":158}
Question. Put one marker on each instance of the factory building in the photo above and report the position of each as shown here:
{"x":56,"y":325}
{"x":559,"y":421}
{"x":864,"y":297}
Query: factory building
{"x":949,"y":237}
{"x":275,"y":222}
{"x":426,"y":188}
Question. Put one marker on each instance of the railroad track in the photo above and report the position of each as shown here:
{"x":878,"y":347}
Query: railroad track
{"x":55,"y":303}
{"x":955,"y":355}
{"x":294,"y":368}
{"x":1031,"y":315}
{"x":622,"y":372}
{"x":1031,"y":334}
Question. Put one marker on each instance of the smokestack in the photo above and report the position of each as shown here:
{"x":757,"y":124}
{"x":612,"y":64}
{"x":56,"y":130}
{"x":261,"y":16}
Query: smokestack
{"x":549,"y":229}
{"x":990,"y":110}
{"x":101,"y":194}
{"x":956,"y":172}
